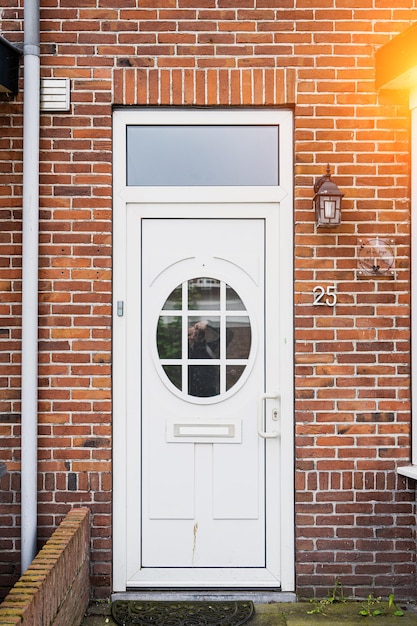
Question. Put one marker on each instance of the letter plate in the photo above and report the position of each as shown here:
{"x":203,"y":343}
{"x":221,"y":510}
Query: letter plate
{"x":204,"y":431}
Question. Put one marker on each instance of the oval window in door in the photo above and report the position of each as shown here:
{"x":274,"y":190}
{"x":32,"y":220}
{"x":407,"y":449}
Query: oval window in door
{"x":204,"y":338}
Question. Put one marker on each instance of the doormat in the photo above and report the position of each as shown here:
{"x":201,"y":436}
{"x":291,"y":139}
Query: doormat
{"x":147,"y":613}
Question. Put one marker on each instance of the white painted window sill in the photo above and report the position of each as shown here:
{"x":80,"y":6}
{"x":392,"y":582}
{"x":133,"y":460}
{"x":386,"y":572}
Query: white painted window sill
{"x":408,"y":470}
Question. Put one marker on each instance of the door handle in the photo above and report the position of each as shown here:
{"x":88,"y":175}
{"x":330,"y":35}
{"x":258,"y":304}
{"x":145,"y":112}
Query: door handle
{"x":275,"y":415}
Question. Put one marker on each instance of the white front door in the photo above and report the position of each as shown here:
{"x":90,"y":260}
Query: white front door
{"x":203,"y":390}
{"x":203,"y":462}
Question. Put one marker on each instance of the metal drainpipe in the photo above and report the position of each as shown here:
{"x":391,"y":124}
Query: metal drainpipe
{"x":30,"y":264}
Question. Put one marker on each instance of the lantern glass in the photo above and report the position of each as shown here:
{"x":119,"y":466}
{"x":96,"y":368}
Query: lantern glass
{"x":328,"y":210}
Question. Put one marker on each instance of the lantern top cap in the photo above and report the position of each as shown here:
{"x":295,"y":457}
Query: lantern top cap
{"x":325,"y":186}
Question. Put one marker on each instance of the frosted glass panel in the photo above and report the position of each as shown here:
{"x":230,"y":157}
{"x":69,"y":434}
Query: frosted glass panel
{"x":202,"y":156}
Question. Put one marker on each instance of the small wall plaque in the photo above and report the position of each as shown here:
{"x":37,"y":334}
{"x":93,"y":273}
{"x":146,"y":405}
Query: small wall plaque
{"x":376,"y":258}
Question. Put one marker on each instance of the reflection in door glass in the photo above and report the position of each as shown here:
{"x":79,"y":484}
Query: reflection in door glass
{"x":233,"y":302}
{"x":233,"y":373}
{"x":174,"y":300}
{"x":204,"y":337}
{"x":169,"y":336}
{"x":238,"y":329}
{"x":203,"y":380}
{"x":174,"y":374}
{"x":204,"y":293}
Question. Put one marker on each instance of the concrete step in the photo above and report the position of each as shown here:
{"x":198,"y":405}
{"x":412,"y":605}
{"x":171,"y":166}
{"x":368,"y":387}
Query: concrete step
{"x":293,"y":614}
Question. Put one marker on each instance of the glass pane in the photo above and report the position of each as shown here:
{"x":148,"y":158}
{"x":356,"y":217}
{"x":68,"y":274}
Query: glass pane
{"x":238,"y":334}
{"x":203,"y":380}
{"x":168,"y":337}
{"x":233,"y":373}
{"x":233,"y":302}
{"x":204,"y":293}
{"x":203,"y":338}
{"x":174,"y":373}
{"x":174,"y":300}
{"x":210,"y":313}
{"x":202,"y":155}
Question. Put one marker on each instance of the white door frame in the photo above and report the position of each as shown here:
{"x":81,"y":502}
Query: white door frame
{"x":125,"y":431}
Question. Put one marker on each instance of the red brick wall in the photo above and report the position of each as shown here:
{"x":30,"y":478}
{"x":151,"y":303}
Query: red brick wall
{"x":10,"y":311}
{"x":355,"y":518}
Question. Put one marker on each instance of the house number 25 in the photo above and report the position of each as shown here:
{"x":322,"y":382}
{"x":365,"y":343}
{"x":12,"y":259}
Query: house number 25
{"x":325,"y":295}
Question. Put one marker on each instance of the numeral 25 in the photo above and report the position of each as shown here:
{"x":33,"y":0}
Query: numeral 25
{"x":325,"y":295}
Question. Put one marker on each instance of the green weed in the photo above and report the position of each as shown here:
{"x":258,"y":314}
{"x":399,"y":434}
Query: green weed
{"x":374,"y":607}
{"x":333,"y":596}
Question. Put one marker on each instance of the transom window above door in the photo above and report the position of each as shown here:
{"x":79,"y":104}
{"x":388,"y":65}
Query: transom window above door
{"x":197,"y":155}
{"x":204,"y":338}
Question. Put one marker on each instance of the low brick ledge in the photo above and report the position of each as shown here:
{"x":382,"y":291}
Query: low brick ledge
{"x":54,"y":590}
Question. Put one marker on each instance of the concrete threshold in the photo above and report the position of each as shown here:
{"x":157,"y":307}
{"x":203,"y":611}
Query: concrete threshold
{"x":199,"y":595}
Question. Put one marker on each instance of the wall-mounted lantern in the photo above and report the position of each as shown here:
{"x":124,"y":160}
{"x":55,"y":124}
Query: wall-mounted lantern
{"x":327,"y":201}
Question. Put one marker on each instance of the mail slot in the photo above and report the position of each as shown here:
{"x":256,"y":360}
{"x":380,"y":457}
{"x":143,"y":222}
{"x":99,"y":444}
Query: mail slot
{"x":195,"y":431}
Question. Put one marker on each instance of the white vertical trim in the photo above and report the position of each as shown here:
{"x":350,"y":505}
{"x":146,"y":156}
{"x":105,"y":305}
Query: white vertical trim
{"x":413,"y":107}
{"x":118,"y":359}
{"x":286,"y":334}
